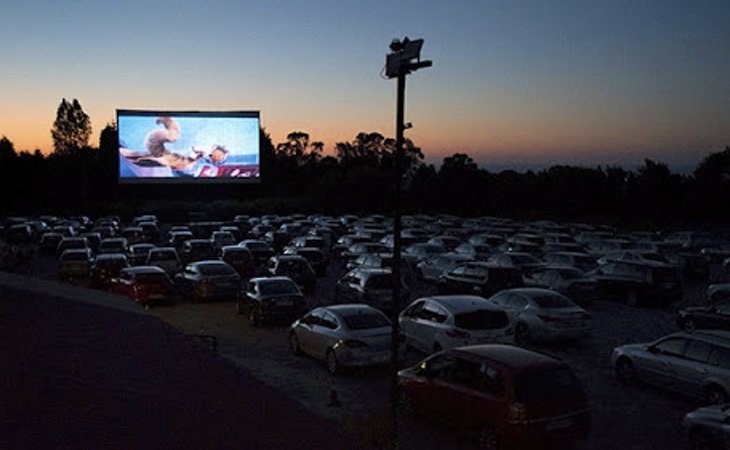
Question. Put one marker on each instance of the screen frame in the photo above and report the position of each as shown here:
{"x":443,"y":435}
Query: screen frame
{"x":247,"y":114}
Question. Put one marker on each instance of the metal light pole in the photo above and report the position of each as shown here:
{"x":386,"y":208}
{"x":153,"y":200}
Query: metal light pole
{"x":404,"y":60}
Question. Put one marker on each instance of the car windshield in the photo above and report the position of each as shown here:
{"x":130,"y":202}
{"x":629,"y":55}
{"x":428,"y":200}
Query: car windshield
{"x":215,"y":269}
{"x":559,"y":383}
{"x":278,"y":287}
{"x":364,"y":321}
{"x":481,"y":319}
{"x":552,"y":301}
{"x":384,"y":281}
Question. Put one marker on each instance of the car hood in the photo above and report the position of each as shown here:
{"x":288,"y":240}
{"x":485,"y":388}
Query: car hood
{"x":632,"y":348}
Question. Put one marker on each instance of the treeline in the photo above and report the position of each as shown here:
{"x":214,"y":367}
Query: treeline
{"x":359,"y":178}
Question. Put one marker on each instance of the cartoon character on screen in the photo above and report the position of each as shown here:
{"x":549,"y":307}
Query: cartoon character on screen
{"x":157,"y":154}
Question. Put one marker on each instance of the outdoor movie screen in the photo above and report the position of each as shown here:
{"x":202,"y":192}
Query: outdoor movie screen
{"x":179,"y":147}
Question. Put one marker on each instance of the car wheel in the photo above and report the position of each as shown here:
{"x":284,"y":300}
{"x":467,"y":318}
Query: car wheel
{"x":626,"y":372}
{"x":333,"y":366}
{"x":632,"y":298}
{"x":253,"y":317}
{"x":689,"y":325}
{"x":294,"y":344}
{"x":715,"y":395}
{"x":488,"y":439}
{"x":522,"y":334}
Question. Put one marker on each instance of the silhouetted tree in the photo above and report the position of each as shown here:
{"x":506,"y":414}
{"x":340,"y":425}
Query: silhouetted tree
{"x":72,"y":127}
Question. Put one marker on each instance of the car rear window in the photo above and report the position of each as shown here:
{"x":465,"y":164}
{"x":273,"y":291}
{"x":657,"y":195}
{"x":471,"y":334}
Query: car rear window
{"x":379,"y":282}
{"x":558,"y":383}
{"x":481,"y":319}
{"x":365,"y":321}
{"x":278,"y":287}
{"x":215,"y":269}
{"x":553,"y":301}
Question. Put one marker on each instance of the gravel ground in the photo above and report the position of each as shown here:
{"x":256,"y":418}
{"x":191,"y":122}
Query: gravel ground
{"x":623,"y":417}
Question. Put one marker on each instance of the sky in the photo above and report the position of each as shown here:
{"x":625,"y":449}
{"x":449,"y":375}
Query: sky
{"x":514,"y":83}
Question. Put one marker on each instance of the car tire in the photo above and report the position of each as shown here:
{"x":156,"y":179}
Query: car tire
{"x":632,"y":298}
{"x":715,"y":395}
{"x":488,"y":439}
{"x":625,"y":372}
{"x":522,"y":335}
{"x":333,"y":366}
{"x":689,"y":325}
{"x":253,"y":317}
{"x":294,"y":344}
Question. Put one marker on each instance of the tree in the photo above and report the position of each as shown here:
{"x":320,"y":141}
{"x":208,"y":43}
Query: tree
{"x":72,"y":127}
{"x":7,"y":149}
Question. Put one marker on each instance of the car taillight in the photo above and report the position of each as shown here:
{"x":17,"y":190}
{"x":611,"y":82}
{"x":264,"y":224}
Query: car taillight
{"x":517,"y":412}
{"x":353,"y":343}
{"x":548,"y":318}
{"x":457,"y":334}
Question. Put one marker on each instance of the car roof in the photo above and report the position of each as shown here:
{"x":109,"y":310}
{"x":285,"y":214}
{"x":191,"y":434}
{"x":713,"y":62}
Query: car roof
{"x":208,"y":262}
{"x":350,"y":309}
{"x":371,"y":271}
{"x":511,"y":356}
{"x":716,"y":336}
{"x":137,"y":270}
{"x":264,"y":279}
{"x":462,"y":303}
{"x":532,"y":291}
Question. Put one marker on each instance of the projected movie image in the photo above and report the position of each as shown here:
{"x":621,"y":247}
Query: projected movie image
{"x":184,"y":146}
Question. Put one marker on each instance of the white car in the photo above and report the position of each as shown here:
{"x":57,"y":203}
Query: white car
{"x":432,"y":268}
{"x":343,"y":336}
{"x":431,"y":324}
{"x":542,"y":314}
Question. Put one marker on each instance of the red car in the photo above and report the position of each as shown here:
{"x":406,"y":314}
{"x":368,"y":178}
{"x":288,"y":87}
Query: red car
{"x":146,"y":285}
{"x":508,"y":396}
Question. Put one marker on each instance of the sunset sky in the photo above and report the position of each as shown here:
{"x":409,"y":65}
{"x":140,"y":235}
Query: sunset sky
{"x":515,"y":82}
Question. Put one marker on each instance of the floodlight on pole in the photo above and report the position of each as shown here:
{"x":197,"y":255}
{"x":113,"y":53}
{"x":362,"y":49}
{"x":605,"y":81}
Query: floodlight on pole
{"x":404,"y":59}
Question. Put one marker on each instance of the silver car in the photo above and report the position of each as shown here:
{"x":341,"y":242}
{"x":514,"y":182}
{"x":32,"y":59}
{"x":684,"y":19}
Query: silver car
{"x":542,"y":314}
{"x":343,"y":336}
{"x":708,"y":428}
{"x":432,"y":268}
{"x":432,"y":324}
{"x":696,"y":364}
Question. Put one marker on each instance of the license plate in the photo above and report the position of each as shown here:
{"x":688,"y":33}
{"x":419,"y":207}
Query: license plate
{"x":559,"y":423}
{"x":285,"y":303}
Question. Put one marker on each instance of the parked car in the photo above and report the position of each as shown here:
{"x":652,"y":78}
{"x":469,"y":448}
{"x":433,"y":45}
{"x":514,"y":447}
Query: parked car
{"x":479,"y":278}
{"x":708,"y":428}
{"x":133,"y":235}
{"x":632,"y":255}
{"x":416,"y":253}
{"x":582,"y":261}
{"x":343,"y":336}
{"x":362,"y":248}
{"x":240,"y":259}
{"x":295,"y":267}
{"x":105,"y":267}
{"x":475,"y":251}
{"x":525,"y":262}
{"x":74,"y":264}
{"x":49,"y":242}
{"x":209,"y":280}
{"x":717,"y":292}
{"x":138,"y":253}
{"x":447,"y":242}
{"x":542,"y":315}
{"x":165,"y":258}
{"x":145,"y":285}
{"x":638,"y":283}
{"x":371,"y":286}
{"x":713,"y":317}
{"x":314,"y":256}
{"x":113,"y":245}
{"x":567,"y":280}
{"x":432,"y":268}
{"x":71,"y":243}
{"x":222,"y":238}
{"x":505,"y":396}
{"x":176,"y":239}
{"x":260,"y":250}
{"x":269,"y":299}
{"x":694,"y":364}
{"x":431,"y":324}
{"x":194,"y":250}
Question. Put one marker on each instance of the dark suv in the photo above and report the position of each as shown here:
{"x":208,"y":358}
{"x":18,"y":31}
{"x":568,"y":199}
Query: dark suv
{"x":507,"y":396}
{"x":638,"y":283}
{"x":479,"y":278}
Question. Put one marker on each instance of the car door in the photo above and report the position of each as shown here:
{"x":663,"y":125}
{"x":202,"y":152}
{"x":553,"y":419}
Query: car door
{"x":691,"y":370}
{"x":407,"y":323}
{"x":657,"y":364}
{"x":305,"y":330}
{"x":428,"y":325}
